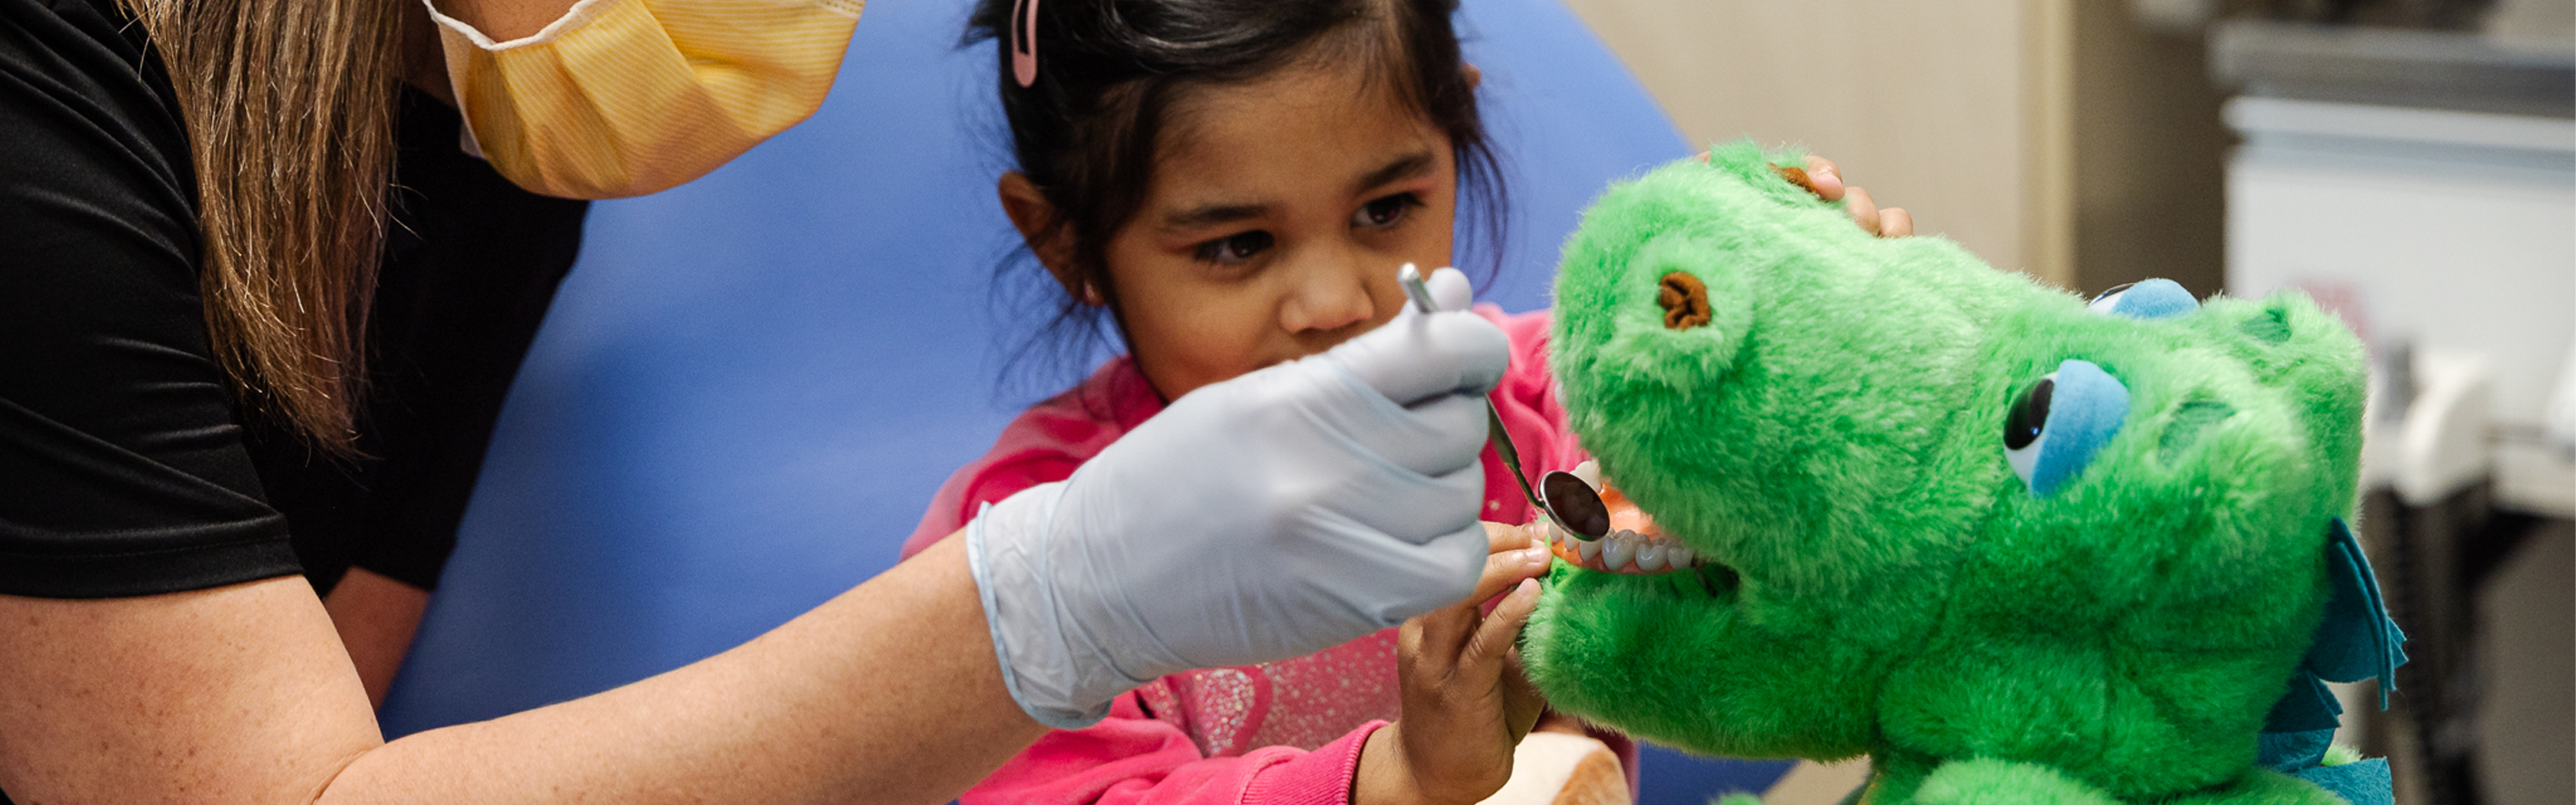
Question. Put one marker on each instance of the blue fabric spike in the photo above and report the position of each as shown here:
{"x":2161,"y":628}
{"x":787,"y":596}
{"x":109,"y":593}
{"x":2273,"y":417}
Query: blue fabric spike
{"x":2289,"y":752}
{"x":2357,"y":640}
{"x":2361,"y":782}
{"x":2306,"y":708}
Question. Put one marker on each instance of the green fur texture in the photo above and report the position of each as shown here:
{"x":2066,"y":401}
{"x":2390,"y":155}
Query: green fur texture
{"x":1880,"y":582}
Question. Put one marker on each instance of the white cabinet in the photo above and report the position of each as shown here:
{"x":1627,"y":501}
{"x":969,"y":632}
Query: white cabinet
{"x":2452,"y":230}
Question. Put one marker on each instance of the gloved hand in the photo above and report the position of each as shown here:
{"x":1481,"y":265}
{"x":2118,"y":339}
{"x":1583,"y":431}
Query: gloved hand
{"x":1265,"y":517}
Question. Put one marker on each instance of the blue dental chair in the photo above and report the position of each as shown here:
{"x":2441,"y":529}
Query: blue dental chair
{"x":749,"y":387}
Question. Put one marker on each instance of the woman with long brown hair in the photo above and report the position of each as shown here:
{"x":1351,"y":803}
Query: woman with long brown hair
{"x":196,"y":200}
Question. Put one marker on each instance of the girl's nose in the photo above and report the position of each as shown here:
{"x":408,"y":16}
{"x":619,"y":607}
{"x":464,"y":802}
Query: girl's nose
{"x":1326,"y":298}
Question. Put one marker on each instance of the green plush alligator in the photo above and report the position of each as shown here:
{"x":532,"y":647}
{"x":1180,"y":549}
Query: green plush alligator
{"x":2013,"y":546}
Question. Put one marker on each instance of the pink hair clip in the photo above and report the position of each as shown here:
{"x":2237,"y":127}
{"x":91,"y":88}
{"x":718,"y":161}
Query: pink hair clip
{"x":1024,"y":57}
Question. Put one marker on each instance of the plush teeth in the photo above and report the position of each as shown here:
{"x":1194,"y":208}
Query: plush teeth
{"x":1623,"y":552}
{"x":1650,"y":557}
{"x":1622,"y":547}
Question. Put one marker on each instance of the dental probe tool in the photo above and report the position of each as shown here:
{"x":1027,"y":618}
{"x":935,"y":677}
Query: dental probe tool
{"x":1589,"y":517}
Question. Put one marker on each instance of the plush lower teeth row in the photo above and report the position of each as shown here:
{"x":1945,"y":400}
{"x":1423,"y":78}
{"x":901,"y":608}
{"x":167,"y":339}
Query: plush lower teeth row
{"x":1623,"y":551}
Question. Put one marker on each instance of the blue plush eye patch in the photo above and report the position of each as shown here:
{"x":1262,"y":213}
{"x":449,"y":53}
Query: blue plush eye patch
{"x":2061,"y":422}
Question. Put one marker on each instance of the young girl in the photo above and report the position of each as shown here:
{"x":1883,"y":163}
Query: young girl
{"x":1234,"y":183}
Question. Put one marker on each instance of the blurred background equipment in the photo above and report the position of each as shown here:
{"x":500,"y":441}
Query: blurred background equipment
{"x":2063,"y":138}
{"x":2420,"y":174}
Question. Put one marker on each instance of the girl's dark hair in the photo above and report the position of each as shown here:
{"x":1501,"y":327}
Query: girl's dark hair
{"x":1108,"y":71}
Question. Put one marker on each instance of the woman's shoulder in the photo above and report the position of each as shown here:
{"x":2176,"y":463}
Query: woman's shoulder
{"x":86,"y":78}
{"x":126,"y":443}
{"x":97,"y":189}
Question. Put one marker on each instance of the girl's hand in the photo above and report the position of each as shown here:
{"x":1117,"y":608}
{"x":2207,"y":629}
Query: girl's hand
{"x":1554,"y":721}
{"x":1465,"y":702}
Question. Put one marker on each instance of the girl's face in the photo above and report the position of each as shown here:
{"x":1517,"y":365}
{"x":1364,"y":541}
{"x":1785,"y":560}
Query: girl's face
{"x":1277,"y":217}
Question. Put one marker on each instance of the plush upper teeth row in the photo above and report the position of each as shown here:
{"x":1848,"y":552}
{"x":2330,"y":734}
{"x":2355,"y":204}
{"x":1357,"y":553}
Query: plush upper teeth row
{"x":1623,"y":551}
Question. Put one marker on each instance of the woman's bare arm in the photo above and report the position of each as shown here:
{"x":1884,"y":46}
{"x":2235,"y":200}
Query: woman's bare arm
{"x":376,"y":618}
{"x":888,"y":693}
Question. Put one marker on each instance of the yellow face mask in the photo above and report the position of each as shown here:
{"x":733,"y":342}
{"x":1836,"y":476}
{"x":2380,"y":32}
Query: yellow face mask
{"x":628,"y":97}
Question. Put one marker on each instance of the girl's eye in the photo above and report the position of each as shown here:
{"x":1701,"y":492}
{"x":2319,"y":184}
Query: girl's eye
{"x":1235,"y":248}
{"x":1386,"y":211}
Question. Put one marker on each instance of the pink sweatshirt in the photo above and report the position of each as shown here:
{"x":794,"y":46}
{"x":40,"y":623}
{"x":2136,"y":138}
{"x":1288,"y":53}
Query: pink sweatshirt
{"x":1279,"y":732}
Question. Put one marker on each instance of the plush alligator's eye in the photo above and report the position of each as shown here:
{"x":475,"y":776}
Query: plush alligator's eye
{"x":2109,"y":298}
{"x":2145,"y":299}
{"x":2025,"y":428}
{"x":2057,"y":424}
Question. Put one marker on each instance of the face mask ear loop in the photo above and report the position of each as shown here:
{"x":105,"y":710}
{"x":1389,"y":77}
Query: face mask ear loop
{"x":1024,"y":58}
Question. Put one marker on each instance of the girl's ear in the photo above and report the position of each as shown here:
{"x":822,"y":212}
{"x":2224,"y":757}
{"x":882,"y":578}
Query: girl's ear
{"x":1475,"y":77}
{"x":1036,"y":218}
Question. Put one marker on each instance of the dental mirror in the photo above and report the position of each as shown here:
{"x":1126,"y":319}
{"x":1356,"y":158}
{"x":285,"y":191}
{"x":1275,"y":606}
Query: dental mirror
{"x":1567,"y":496}
{"x":1575,"y":505}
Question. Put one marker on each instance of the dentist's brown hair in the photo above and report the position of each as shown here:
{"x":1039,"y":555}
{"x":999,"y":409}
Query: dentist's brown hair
{"x":289,"y":109}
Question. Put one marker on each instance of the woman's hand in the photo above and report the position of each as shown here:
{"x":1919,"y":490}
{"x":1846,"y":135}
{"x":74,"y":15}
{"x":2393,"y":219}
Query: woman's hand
{"x":1466,"y":704}
{"x":1827,"y":181}
{"x":1269,"y":516}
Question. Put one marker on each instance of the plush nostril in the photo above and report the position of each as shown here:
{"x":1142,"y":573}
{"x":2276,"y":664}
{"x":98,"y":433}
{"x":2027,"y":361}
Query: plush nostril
{"x":1684,"y":299}
{"x":2189,"y":422}
{"x":2272,"y":325}
{"x":1797,"y":176}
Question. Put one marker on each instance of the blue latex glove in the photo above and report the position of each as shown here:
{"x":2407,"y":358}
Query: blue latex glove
{"x":1270,"y":516}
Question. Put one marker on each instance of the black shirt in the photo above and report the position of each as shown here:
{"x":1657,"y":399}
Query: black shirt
{"x":125,"y":468}
{"x":470,"y":265}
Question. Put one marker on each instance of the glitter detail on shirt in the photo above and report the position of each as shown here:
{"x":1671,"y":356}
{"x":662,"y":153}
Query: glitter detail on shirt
{"x":1305,"y":702}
